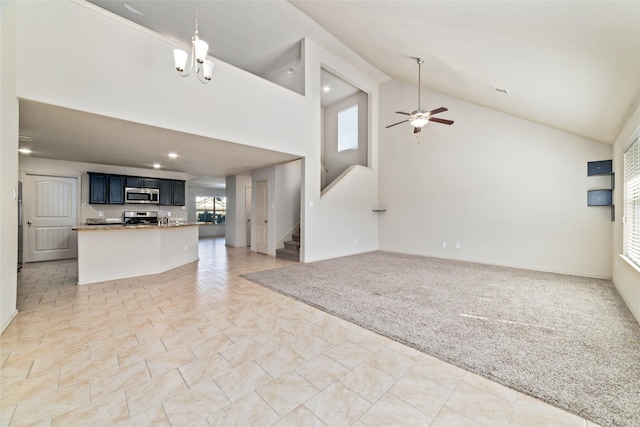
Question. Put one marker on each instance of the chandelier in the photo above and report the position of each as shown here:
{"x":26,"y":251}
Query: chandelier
{"x":203,"y":67}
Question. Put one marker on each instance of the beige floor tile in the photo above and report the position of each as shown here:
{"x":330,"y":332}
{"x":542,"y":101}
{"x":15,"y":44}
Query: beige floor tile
{"x":533,"y":412}
{"x":242,"y":379}
{"x":279,"y":361}
{"x":300,"y":416}
{"x":492,"y":387}
{"x":164,"y":362}
{"x":310,"y":346}
{"x":276,"y":338}
{"x":88,"y":369}
{"x":390,"y":411}
{"x":17,"y":370}
{"x":126,"y":376}
{"x":250,"y":411}
{"x":287,"y":392}
{"x":448,"y":417}
{"x":321,"y":371}
{"x":480,"y":405}
{"x":45,"y":406}
{"x":348,"y":354}
{"x":195,"y":404}
{"x":204,"y":369}
{"x":337,"y":406}
{"x":6,"y":413}
{"x":104,"y":411}
{"x":146,"y":394}
{"x":139,"y":352}
{"x":243,"y":352}
{"x":422,"y":393}
{"x":391,"y":362}
{"x":16,"y":392}
{"x":210,"y":344}
{"x":154,"y":416}
{"x":438,"y":371}
{"x":368,"y":382}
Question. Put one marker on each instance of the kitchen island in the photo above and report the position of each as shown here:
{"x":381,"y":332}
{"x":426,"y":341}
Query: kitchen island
{"x":110,"y":252}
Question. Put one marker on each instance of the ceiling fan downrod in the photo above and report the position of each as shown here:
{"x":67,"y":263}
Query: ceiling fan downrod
{"x":420,"y":62}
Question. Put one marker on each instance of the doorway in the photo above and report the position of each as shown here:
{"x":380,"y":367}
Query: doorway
{"x":50,"y":212}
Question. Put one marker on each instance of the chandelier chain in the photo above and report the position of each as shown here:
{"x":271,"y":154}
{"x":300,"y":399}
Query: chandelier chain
{"x":196,"y":18}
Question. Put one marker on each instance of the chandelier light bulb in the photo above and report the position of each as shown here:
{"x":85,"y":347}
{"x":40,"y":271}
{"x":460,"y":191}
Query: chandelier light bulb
{"x":180,"y":57}
{"x":200,"y":47}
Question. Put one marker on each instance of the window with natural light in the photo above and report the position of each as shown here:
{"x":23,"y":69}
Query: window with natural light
{"x":348,"y":128}
{"x":631,"y":220}
{"x":211,"y":209}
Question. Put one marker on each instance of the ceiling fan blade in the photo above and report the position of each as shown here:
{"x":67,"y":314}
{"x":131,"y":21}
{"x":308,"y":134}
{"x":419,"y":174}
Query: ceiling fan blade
{"x":402,"y":112}
{"x":443,"y":121}
{"x":404,"y":121}
{"x":437,"y":111}
{"x":417,"y":129}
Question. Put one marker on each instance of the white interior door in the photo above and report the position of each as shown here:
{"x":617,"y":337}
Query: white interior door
{"x":247,"y":206}
{"x":263,"y":217}
{"x":50,"y":212}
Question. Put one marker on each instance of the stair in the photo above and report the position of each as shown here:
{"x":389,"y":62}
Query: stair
{"x":291,"y":250}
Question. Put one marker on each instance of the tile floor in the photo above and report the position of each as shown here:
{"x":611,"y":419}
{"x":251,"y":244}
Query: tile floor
{"x":200,"y":346}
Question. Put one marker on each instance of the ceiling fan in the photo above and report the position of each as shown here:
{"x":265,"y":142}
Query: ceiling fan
{"x":419,"y":117}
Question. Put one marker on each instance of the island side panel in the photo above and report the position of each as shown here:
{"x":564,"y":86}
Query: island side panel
{"x":121,"y":253}
{"x":179,"y":246}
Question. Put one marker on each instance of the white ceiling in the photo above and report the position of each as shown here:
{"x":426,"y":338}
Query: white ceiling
{"x":572,"y":65}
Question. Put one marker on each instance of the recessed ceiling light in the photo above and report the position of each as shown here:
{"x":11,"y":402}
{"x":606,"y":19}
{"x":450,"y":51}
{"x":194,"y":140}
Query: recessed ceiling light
{"x":501,"y":90}
{"x":326,"y":89}
{"x":172,"y":155}
{"x":24,"y":151}
{"x":157,"y":165}
{"x":132,"y":9}
{"x":290,"y":70}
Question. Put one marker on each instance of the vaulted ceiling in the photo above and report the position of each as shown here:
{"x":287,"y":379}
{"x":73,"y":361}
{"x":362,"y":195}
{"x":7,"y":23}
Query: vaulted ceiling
{"x":571,"y":65}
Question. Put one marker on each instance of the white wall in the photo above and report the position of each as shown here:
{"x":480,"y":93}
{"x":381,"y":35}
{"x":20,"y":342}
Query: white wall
{"x":8,"y":166}
{"x":337,"y":162}
{"x":287,"y":187}
{"x":625,"y":276}
{"x":236,"y":218}
{"x":510,"y":191}
{"x":147,"y":91}
{"x":39,"y":166}
{"x":331,"y":224}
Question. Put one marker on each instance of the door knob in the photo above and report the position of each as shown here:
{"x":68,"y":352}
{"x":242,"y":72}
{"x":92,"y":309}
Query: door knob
{"x":28,"y":222}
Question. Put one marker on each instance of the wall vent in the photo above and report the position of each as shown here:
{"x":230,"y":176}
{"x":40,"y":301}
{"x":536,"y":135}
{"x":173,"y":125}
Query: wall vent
{"x":501,"y":90}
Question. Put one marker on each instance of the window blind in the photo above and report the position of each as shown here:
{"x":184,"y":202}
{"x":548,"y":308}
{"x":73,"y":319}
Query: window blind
{"x":631,"y":220}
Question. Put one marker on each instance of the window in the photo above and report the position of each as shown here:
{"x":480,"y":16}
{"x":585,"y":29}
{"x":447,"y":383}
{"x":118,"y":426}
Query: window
{"x":211,"y":209}
{"x":631,"y":221}
{"x":348,"y":128}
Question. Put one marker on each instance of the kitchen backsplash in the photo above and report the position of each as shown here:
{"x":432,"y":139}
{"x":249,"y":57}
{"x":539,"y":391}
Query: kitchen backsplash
{"x":116,"y":211}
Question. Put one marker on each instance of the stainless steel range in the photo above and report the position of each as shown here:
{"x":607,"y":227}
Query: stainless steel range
{"x":140,"y":218}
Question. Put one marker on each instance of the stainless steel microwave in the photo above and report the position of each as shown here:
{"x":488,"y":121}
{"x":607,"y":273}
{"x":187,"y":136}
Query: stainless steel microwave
{"x":141,"y":195}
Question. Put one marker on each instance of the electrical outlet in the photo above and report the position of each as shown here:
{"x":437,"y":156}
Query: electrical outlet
{"x":355,"y":241}
{"x":185,"y":248}
{"x":100,"y":214}
{"x":458,"y":246}
{"x":444,"y":244}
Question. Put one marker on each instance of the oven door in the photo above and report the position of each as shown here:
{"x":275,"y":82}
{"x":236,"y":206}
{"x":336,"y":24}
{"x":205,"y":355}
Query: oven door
{"x":141,"y":195}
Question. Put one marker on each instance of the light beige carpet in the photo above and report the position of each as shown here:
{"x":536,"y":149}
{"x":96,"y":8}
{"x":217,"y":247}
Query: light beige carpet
{"x":568,"y":340}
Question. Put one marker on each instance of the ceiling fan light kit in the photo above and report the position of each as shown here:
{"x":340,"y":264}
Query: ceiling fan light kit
{"x":419,"y":117}
{"x":203,"y":67}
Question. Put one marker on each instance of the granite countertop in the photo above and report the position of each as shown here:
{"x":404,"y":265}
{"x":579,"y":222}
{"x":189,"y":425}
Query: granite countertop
{"x":130,"y":227}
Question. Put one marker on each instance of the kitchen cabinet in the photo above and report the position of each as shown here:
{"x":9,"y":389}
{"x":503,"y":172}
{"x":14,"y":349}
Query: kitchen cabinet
{"x":116,"y":189}
{"x":106,"y":189}
{"x":178,"y":193}
{"x":166,"y":192}
{"x":134,"y":182}
{"x":97,"y":188}
{"x":150,"y":182}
